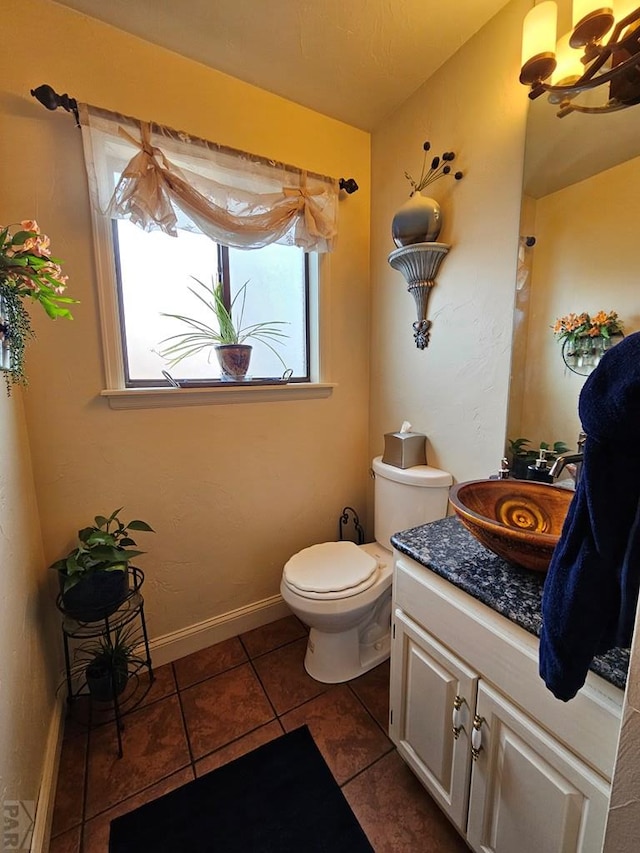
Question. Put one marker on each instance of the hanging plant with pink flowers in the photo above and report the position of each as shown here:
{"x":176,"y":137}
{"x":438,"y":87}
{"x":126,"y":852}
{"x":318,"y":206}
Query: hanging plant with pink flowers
{"x":27,"y":272}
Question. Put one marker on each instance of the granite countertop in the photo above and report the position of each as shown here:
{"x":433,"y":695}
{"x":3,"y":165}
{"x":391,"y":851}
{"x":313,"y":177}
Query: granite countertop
{"x":448,"y":549}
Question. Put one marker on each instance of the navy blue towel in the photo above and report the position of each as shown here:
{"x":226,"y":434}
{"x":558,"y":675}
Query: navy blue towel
{"x":591,"y":591}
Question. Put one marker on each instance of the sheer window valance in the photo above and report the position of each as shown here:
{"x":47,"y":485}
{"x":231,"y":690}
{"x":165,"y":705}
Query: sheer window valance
{"x":164,"y":179}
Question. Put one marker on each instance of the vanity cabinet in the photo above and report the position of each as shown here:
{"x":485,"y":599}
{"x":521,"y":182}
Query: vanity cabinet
{"x":528,"y":792}
{"x":513,"y":768}
{"x":426,"y":679}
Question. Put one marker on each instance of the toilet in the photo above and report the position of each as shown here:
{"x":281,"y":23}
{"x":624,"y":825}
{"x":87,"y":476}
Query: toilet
{"x":342,"y":591}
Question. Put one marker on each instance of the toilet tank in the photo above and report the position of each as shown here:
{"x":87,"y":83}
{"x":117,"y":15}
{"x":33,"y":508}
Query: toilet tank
{"x":407,"y":497}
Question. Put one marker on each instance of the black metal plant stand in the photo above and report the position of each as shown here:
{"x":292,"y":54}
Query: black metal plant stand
{"x":129,"y":612}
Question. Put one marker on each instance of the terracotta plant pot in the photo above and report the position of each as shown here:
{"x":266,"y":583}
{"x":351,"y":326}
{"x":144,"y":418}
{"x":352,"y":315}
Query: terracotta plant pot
{"x":234,"y":361}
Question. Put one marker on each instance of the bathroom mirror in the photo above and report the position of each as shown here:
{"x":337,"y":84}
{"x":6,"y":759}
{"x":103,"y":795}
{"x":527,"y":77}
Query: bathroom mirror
{"x":581,"y":202}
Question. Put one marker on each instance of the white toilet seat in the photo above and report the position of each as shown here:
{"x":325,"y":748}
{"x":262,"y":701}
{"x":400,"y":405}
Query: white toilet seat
{"x":330,"y":571}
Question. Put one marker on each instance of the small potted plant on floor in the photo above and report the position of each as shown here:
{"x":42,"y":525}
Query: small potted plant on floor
{"x":228,"y":338}
{"x":106,"y":663}
{"x":94,"y":576}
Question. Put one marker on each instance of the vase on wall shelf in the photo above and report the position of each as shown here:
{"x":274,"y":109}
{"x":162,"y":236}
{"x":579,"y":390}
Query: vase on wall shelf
{"x":418,"y":220}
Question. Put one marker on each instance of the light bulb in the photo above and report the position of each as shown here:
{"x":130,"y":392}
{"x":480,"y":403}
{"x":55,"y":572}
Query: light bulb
{"x":539,"y":30}
{"x":590,"y":24}
{"x":569,"y":67}
{"x":539,"y":43}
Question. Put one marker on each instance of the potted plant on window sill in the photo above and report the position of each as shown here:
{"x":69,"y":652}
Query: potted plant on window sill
{"x":27,"y":272}
{"x":228,"y":340}
{"x":94,"y":576}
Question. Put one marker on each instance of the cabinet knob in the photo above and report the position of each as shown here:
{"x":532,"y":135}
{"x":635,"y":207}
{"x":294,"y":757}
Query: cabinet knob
{"x":457,"y":725}
{"x":476,"y":737}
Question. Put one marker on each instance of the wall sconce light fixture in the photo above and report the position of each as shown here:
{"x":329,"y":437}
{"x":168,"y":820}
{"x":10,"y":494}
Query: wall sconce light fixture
{"x":419,"y":264}
{"x":558,"y":68}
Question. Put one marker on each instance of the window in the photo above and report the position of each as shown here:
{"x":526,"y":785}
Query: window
{"x":207,"y":213}
{"x":157,"y":275}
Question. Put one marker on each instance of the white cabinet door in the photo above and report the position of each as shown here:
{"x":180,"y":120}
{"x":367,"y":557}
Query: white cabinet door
{"x":427,"y":682}
{"x":528,"y":793}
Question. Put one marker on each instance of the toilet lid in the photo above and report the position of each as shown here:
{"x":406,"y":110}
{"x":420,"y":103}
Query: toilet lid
{"x":331,"y":567}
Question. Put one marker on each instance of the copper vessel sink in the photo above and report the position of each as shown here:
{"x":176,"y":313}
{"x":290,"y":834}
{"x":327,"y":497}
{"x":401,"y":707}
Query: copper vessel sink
{"x":519,"y":520}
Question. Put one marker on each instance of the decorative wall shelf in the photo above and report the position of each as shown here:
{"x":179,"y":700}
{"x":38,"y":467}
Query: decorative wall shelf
{"x":419,"y":264}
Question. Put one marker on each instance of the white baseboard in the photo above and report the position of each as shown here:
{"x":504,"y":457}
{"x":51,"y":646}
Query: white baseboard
{"x":47,"y":794}
{"x":185,"y":641}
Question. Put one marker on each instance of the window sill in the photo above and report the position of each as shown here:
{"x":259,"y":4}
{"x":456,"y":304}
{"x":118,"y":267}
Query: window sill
{"x":161,"y":398}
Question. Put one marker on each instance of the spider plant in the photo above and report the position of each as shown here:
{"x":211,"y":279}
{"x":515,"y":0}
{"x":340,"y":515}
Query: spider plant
{"x":228,"y":330}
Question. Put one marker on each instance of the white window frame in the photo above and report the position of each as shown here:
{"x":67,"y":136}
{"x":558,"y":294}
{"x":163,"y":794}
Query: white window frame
{"x":120,"y":397}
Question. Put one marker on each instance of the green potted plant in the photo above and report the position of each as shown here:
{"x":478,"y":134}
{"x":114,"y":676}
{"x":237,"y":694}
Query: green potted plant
{"x":27,"y":272}
{"x":106,"y":663}
{"x":227,"y":338}
{"x":94,"y":577}
{"x":523,"y":456}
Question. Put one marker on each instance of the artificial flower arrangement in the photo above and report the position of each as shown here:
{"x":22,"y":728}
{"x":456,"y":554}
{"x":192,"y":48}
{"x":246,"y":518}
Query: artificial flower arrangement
{"x":440,"y":168}
{"x":572,"y":327}
{"x":27,"y":271}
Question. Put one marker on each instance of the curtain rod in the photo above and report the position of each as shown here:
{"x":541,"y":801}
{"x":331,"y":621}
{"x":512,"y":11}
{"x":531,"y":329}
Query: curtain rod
{"x":52,"y":101}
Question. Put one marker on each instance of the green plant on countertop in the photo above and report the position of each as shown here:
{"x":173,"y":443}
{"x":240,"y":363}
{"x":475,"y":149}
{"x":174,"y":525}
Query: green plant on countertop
{"x":523,"y":456}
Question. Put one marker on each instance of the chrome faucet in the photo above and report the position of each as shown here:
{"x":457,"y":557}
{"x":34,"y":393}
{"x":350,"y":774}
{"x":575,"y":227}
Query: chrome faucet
{"x":570,"y":458}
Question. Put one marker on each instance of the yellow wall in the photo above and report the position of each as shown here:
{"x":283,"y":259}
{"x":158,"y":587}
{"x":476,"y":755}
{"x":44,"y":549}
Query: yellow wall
{"x":455,"y":391}
{"x":29,"y":634}
{"x":232,"y":491}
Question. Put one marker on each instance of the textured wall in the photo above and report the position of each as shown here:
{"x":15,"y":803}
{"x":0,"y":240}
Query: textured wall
{"x":623,"y":826}
{"x":455,"y":390}
{"x":29,"y":637}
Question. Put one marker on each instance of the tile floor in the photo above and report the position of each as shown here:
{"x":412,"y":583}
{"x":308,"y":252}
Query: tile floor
{"x":212,"y":706}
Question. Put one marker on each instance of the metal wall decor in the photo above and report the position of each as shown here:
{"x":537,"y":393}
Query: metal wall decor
{"x":419,"y":264}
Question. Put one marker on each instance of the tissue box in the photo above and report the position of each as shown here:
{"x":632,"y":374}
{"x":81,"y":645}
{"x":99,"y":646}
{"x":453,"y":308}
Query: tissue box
{"x":405,"y":449}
